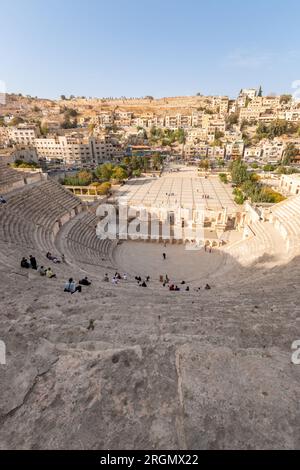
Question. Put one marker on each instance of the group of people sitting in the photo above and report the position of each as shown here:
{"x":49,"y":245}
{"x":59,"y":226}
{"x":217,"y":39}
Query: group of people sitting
{"x":116,"y":278}
{"x":172,"y":287}
{"x":141,"y":282}
{"x":72,"y":287}
{"x":32,"y":263}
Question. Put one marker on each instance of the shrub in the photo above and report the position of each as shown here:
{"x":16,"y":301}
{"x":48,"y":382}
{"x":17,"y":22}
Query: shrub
{"x":223,"y":178}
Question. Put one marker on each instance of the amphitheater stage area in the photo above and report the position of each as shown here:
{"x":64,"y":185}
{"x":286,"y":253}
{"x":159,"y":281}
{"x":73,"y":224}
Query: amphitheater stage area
{"x":183,"y":188}
{"x":181,"y":264}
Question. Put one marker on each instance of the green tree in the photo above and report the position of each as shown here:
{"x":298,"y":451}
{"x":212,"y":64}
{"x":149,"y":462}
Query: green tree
{"x":289,"y":154}
{"x":204,"y":164}
{"x":119,"y":174}
{"x":239,"y":172}
{"x":105,"y":171}
{"x":84,"y":177}
{"x":269,"y":167}
{"x":103,"y":188}
{"x":16,"y":121}
{"x":231,"y":120}
{"x":223,"y":178}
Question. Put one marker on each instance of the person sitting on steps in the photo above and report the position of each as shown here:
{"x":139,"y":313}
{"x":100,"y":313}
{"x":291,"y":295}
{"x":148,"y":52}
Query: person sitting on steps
{"x":71,"y":287}
{"x":42,"y":271}
{"x":85,"y":281}
{"x":24,"y":263}
{"x":50,"y":274}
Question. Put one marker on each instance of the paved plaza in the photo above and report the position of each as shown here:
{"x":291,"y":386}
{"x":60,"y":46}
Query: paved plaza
{"x":184,"y":189}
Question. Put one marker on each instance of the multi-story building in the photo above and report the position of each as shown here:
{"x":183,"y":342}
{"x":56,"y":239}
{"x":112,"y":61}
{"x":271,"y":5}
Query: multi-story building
{"x":216,"y":152}
{"x":273,"y":151}
{"x":221,"y":102}
{"x":290,"y":185}
{"x":235,"y":149}
{"x":76,"y":151}
{"x":184,"y":121}
{"x":293,"y":116}
{"x":256,"y":103}
{"x":197,"y":118}
{"x":251,"y":153}
{"x":23,"y":134}
{"x":248,"y":114}
{"x":26,"y":154}
{"x":249,"y":92}
{"x":178,"y":121}
{"x":271,"y":102}
{"x":267,"y":117}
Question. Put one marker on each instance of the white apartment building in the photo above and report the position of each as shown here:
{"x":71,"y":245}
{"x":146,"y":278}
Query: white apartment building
{"x":271,"y":102}
{"x":273,"y":151}
{"x":216,"y":152}
{"x":252,"y":153}
{"x":76,"y":151}
{"x":217,"y":125}
{"x":178,"y":121}
{"x":256,"y":103}
{"x":197,"y":118}
{"x":235,"y":149}
{"x":196,"y":150}
{"x":267,"y":117}
{"x":171,"y":122}
{"x":293,"y":116}
{"x":196,"y":134}
{"x":290,"y":184}
{"x":248,"y":114}
{"x":249,"y":92}
{"x":105,"y":119}
{"x":156,"y":122}
{"x":23,"y":135}
{"x":221,"y":102}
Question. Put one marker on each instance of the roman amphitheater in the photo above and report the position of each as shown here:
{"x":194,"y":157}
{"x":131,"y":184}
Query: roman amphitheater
{"x":158,"y":369}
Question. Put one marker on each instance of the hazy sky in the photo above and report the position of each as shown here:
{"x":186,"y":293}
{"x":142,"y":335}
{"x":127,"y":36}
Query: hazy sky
{"x":148,"y":47}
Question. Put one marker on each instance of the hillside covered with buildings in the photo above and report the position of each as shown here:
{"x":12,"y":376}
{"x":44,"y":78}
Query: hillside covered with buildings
{"x":208,"y":130}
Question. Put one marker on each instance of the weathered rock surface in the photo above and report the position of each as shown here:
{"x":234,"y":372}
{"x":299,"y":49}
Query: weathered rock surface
{"x":208,"y":370}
